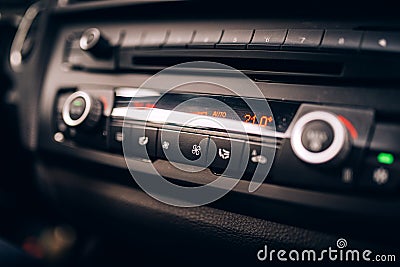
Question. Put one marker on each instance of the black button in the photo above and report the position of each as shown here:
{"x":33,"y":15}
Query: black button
{"x":336,"y":39}
{"x":303,"y":38}
{"x":260,"y":156}
{"x":115,"y":138}
{"x":183,"y":147}
{"x":381,"y":41}
{"x":140,"y":142}
{"x":379,"y":177}
{"x":227,"y":151}
{"x":267,"y":39}
{"x":206,"y":38}
{"x":76,"y":108}
{"x":153,"y":39}
{"x":237,"y":39}
{"x":179,"y":38}
{"x":317,"y":136}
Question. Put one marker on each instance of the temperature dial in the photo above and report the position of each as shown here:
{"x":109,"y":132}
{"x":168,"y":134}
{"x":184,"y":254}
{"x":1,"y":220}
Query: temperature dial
{"x":320,"y":137}
{"x":81,"y":109}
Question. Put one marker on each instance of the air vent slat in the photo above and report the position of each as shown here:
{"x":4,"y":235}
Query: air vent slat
{"x":245,"y":64}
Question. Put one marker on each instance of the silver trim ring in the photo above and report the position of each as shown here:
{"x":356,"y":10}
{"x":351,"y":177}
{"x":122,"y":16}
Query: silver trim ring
{"x":66,"y":108}
{"x":83,"y":42}
{"x":338,"y":142}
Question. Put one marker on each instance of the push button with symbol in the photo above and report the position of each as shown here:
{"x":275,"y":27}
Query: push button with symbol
{"x":381,"y":42}
{"x":317,"y":136}
{"x":380,"y":176}
{"x":182,"y":147}
{"x":267,"y":39}
{"x":206,"y":38}
{"x":237,"y":39}
{"x":196,"y":150}
{"x":347,"y":175}
{"x":144,"y":142}
{"x":165,"y":145}
{"x":341,"y":39}
{"x":303,"y":38}
{"x":381,"y":172}
{"x":225,"y":155}
{"x":259,"y":156}
{"x":191,"y":146}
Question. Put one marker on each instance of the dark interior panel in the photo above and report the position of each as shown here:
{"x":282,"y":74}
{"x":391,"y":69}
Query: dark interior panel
{"x":328,"y":71}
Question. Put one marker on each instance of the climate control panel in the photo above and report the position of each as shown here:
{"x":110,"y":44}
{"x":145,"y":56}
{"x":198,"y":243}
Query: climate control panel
{"x":303,"y":145}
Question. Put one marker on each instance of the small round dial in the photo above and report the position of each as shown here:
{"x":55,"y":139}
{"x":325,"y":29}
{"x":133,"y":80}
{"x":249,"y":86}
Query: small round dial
{"x":81,"y":109}
{"x":320,"y":137}
{"x":93,"y":41}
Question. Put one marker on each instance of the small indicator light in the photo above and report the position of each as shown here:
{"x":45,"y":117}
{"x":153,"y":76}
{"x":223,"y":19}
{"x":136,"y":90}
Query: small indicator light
{"x":77,"y":103}
{"x":385,"y":158}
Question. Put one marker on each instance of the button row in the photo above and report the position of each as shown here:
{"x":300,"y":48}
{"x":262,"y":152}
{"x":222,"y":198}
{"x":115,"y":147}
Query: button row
{"x":380,"y":172}
{"x":219,"y":153}
{"x":268,"y":39}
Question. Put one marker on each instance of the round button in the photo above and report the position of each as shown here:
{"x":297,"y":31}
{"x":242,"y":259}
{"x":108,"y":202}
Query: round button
{"x":81,"y":109}
{"x":89,"y":39}
{"x":95,"y":43}
{"x":317,"y":136}
{"x":320,"y":137}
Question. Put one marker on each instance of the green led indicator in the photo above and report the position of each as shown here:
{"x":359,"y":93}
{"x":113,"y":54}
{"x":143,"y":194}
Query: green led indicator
{"x":77,"y":102}
{"x":385,"y":158}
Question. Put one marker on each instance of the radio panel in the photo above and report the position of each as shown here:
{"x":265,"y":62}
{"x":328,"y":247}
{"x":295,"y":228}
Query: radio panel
{"x":329,"y":51}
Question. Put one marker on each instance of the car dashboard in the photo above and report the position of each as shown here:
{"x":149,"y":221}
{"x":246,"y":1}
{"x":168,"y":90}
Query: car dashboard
{"x":211,"y":130}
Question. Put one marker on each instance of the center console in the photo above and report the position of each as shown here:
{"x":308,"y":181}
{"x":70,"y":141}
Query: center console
{"x":334,"y":137}
{"x":326,"y":144}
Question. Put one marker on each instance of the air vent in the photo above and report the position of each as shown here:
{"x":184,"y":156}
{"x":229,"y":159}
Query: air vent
{"x":247,"y":64}
{"x":253,"y":63}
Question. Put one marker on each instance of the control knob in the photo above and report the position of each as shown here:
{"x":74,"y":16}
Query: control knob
{"x":320,"y":137}
{"x":94,"y":42}
{"x":81,"y":109}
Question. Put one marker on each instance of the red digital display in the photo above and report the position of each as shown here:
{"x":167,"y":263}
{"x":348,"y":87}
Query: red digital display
{"x":237,"y":109}
{"x":263,"y":121}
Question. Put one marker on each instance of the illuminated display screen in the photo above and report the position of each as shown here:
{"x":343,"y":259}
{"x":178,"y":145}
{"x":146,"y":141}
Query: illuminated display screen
{"x":231,"y":108}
